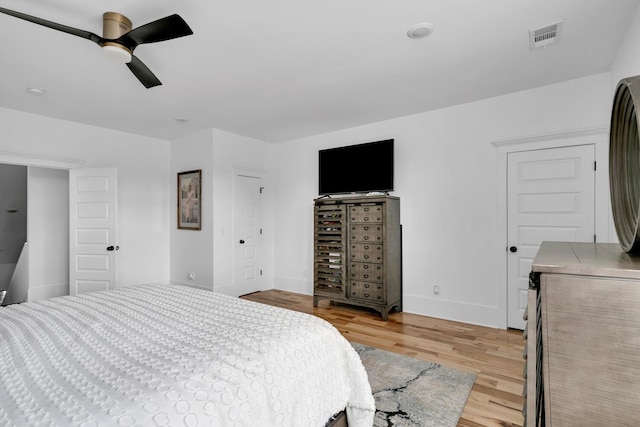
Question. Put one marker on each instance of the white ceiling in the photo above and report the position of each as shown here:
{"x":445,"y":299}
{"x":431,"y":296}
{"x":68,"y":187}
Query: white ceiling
{"x":283,"y":69}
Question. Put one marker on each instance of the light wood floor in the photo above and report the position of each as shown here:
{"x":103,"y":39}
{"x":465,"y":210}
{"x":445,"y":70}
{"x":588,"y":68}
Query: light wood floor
{"x":495,"y":355}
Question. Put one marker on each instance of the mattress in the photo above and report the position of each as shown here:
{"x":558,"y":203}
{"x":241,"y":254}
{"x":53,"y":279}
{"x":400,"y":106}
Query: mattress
{"x":158,"y":354}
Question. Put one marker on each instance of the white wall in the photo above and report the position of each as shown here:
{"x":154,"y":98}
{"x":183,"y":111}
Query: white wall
{"x":48,"y":232}
{"x":209,"y":252}
{"x":143,"y":181}
{"x":627,"y":60}
{"x":232,"y":154}
{"x":446,"y":176}
{"x":192,"y":250}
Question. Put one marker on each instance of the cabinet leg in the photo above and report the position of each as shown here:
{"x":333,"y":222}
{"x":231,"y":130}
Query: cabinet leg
{"x":315,"y":301}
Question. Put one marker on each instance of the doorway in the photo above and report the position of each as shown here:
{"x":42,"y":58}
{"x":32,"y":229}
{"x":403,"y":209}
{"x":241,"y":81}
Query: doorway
{"x":598,"y":138}
{"x":42,"y":251}
{"x":13,"y":227}
{"x":551,"y":197}
{"x":247,"y":216}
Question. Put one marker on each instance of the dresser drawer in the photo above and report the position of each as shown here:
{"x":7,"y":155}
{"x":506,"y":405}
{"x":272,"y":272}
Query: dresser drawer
{"x":366,"y":213}
{"x":366,"y":252}
{"x":366,"y":290}
{"x":365,"y":271}
{"x":366,"y":233}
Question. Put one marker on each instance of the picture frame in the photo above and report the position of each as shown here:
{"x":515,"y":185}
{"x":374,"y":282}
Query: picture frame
{"x":189,"y":200}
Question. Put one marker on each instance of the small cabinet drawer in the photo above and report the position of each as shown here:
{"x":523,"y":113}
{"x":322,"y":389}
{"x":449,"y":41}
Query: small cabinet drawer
{"x":366,"y":252}
{"x":365,"y":290}
{"x":366,"y":233}
{"x":365,"y":271}
{"x":366,"y":213}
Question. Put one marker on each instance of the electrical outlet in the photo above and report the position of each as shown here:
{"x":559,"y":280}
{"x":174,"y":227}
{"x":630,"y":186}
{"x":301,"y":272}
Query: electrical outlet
{"x":436,"y":289}
{"x":191,"y":276}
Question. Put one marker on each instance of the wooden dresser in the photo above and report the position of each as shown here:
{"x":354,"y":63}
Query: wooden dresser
{"x":357,"y":251}
{"x":584,"y":304}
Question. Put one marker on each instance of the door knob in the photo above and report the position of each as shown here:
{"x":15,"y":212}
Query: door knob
{"x":241,"y":241}
{"x":111,"y":248}
{"x":513,"y":249}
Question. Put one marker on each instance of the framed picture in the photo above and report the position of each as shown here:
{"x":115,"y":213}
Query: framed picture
{"x":189,"y":206}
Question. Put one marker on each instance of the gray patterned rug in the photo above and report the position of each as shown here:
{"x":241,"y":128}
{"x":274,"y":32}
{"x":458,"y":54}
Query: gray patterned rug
{"x":414,"y":393}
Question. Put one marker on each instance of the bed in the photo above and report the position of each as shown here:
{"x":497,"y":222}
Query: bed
{"x":170,"y":355}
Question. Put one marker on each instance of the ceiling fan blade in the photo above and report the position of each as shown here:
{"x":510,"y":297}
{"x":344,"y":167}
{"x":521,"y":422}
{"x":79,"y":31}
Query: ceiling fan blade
{"x":54,"y":25}
{"x":170,"y":27}
{"x":143,"y":73}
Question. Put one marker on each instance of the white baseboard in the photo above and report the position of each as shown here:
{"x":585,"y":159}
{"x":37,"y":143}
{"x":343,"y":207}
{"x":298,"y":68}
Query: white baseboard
{"x":47,"y":291}
{"x":299,"y":286}
{"x":476,"y":314}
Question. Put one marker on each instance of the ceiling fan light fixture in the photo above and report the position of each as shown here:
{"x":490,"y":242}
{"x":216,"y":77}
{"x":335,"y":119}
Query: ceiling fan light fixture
{"x":118,"y":52}
{"x":114,"y":25}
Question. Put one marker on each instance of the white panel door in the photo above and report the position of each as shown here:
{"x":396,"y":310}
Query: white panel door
{"x":550,"y":197}
{"x":247,"y":217}
{"x":93,"y":201}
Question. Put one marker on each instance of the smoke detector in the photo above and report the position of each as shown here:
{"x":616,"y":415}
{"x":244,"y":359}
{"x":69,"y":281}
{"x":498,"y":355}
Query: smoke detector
{"x":544,"y":36}
{"x":420,"y":31}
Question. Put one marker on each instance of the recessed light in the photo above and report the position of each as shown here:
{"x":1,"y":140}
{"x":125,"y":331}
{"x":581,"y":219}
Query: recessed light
{"x":36,"y":91}
{"x":420,"y":31}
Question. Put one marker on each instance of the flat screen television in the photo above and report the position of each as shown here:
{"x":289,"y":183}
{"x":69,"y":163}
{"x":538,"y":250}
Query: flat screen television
{"x":360,"y":168}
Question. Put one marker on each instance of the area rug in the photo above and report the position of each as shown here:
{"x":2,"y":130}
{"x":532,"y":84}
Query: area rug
{"x":414,"y":393}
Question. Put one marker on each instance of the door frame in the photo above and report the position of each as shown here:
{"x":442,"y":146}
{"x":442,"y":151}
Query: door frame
{"x":604,"y":229}
{"x":39,"y":160}
{"x":48,"y":162}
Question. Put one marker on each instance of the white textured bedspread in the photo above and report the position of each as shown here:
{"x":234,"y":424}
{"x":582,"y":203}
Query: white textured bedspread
{"x":171,"y":355}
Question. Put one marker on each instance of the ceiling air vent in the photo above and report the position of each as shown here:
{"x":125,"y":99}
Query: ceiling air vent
{"x":544,"y":36}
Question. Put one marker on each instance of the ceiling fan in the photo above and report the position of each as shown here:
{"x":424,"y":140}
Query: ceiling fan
{"x":120,"y":40}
